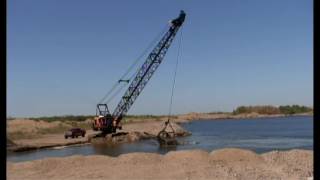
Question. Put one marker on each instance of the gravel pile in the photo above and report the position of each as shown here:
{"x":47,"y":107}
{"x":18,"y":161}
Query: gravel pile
{"x":189,"y":164}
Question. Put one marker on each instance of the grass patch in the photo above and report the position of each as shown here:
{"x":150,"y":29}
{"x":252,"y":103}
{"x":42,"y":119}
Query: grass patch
{"x":73,"y":120}
{"x":63,"y":118}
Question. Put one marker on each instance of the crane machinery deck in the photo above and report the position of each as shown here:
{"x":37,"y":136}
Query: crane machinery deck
{"x":108,"y":123}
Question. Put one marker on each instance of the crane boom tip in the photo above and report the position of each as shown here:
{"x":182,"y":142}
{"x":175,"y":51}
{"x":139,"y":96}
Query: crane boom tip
{"x":178,"y":21}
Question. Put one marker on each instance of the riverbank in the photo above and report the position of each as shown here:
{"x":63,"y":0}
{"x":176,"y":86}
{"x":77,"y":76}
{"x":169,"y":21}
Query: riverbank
{"x":227,"y":163}
{"x":24,"y":134}
{"x":130,"y":132}
{"x":217,"y":116}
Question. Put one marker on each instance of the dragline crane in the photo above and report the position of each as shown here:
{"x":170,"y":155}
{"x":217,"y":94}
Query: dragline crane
{"x":107,"y":122}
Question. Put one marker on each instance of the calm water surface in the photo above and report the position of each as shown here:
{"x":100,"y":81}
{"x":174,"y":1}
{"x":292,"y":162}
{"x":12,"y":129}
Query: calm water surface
{"x":260,"y":135}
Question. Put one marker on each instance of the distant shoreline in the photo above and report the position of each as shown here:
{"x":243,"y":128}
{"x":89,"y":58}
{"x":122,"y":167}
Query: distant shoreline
{"x":222,"y":116}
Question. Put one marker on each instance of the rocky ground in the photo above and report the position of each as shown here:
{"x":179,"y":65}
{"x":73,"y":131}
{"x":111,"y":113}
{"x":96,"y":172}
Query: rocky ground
{"x":191,"y":164}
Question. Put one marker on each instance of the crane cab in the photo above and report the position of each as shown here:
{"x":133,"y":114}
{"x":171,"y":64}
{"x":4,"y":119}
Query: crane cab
{"x":102,"y":123}
{"x":103,"y":120}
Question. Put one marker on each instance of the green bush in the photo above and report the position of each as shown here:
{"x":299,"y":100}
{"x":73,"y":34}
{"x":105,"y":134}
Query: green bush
{"x":294,"y":109}
{"x":267,"y":109}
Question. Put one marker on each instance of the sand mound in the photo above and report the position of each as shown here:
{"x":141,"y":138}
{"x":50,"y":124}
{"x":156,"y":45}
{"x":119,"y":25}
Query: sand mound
{"x":134,"y":158}
{"x":293,"y":158}
{"x":191,"y":164}
{"x":187,"y":155}
{"x":26,"y":125}
{"x":31,"y":126}
{"x":235,"y":154}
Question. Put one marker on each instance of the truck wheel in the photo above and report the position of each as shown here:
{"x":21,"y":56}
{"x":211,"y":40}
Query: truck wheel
{"x":72,"y":136}
{"x":82,"y":135}
{"x":66,"y":137}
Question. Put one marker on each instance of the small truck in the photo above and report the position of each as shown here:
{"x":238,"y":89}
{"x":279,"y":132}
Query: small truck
{"x":74,"y":133}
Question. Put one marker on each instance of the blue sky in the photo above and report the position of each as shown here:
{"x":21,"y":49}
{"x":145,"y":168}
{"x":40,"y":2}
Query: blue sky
{"x":63,"y":56}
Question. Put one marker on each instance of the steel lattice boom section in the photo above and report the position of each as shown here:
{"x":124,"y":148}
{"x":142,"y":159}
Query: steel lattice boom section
{"x":147,"y":70}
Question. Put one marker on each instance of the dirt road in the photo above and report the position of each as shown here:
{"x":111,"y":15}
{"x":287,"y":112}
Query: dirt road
{"x":192,"y":164}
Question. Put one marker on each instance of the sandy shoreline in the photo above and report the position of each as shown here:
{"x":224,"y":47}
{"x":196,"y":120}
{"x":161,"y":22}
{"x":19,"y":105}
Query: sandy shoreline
{"x":227,"y":163}
{"x":149,"y":127}
{"x":220,"y":116}
{"x":136,"y":131}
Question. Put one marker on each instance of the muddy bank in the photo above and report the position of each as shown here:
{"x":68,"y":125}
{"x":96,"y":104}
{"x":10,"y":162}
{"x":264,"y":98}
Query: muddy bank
{"x":46,"y":141}
{"x":191,"y":164}
{"x":27,"y":147}
{"x":130,"y":132}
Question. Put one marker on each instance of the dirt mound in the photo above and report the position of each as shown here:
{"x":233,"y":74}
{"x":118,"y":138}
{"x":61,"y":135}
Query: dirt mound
{"x":235,"y":154}
{"x":191,"y":164}
{"x":27,"y":126}
{"x":187,"y":155}
{"x":134,"y":158}
{"x":20,"y":129}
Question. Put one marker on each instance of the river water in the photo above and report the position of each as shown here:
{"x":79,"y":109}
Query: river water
{"x":259,"y":134}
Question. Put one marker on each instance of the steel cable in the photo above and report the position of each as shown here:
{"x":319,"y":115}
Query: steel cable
{"x":174,"y":77}
{"x":129,"y":69}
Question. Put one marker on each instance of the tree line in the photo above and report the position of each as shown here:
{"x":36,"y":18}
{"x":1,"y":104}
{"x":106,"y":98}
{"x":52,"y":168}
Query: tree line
{"x":268,"y":109}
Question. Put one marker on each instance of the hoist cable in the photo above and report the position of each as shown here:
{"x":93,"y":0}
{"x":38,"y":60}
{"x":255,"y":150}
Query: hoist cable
{"x":116,"y":93}
{"x":109,"y":92}
{"x":130,"y":68}
{"x":133,"y":65}
{"x":174,"y":77}
{"x":144,"y":52}
{"x":163,"y":133}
